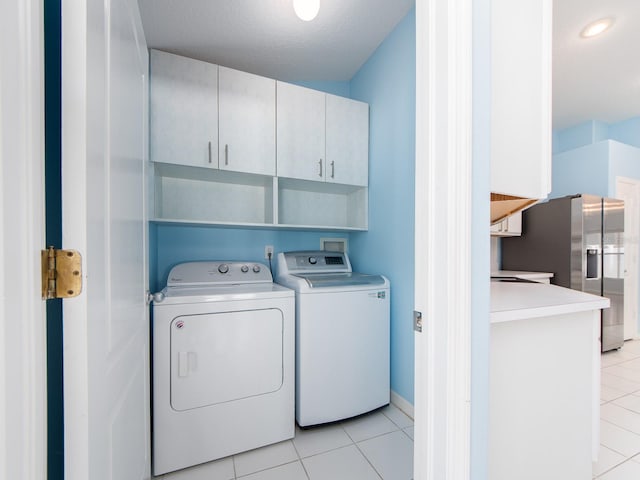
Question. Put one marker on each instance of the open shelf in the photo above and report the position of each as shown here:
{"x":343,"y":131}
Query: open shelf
{"x":210,"y":195}
{"x":203,"y":196}
{"x":303,"y":202}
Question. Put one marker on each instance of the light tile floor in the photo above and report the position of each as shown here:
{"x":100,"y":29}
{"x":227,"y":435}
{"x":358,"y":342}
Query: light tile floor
{"x":375,"y":446}
{"x":619,"y":457}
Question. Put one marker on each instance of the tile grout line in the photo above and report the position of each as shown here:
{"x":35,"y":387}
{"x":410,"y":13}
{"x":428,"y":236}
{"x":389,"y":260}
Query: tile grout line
{"x":612,"y":468}
{"x":625,"y":409}
{"x":368,"y":461}
{"x":233,"y":463}
{"x":267,"y":469}
{"x":621,"y":428}
{"x":304,"y":468}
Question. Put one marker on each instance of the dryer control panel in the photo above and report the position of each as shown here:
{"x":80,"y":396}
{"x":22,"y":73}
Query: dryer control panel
{"x":313,"y":261}
{"x":193,"y":274}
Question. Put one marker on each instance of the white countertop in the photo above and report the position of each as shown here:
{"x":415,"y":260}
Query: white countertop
{"x":521,"y":274}
{"x":517,"y":301}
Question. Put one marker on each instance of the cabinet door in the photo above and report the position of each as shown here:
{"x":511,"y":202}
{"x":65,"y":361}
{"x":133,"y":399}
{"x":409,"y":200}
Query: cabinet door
{"x":300,"y":132}
{"x":521,"y":98}
{"x":347,"y":145}
{"x":247,"y":113}
{"x":183,"y":110}
{"x":509,"y":227}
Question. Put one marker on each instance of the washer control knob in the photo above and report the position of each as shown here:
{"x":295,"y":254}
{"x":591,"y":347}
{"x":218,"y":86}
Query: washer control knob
{"x":256,"y":268}
{"x":223,"y":268}
{"x":244,"y":269}
{"x":313,"y":260}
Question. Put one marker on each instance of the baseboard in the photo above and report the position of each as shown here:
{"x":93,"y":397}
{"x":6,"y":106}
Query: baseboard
{"x":402,"y":404}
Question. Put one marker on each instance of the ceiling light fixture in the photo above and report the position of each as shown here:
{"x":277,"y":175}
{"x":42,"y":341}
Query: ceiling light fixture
{"x":596,"y":28}
{"x":306,"y":9}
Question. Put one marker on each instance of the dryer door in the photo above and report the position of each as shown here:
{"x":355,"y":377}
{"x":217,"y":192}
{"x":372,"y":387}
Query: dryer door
{"x":226,"y":356}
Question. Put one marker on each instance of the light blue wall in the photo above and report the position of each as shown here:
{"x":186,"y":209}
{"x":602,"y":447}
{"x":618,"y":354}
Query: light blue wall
{"x":480,"y":247}
{"x":176,"y":244}
{"x":589,"y":156}
{"x":594,"y":131}
{"x":581,"y":170}
{"x":627,"y":131}
{"x":580,"y":135}
{"x":387,"y":83}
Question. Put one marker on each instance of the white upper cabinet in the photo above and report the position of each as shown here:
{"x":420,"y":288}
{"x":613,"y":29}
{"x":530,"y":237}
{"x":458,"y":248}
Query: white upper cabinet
{"x":347,"y":143}
{"x":228,"y":121}
{"x":300,"y":132}
{"x":509,"y":227}
{"x":521,"y":98}
{"x":183,"y":110}
{"x":247,"y":116}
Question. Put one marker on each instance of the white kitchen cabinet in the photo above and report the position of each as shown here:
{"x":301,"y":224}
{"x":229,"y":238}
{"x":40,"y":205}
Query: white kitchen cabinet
{"x":347,"y":146}
{"x":300,"y":132}
{"x":183,"y":110}
{"x":544,"y":396}
{"x":321,"y":137}
{"x":247,"y":122}
{"x":521,"y":98}
{"x":509,"y":227}
{"x":245,"y":187}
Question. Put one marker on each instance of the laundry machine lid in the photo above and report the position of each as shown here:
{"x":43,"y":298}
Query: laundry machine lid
{"x":324,"y":280}
{"x":220,"y":293}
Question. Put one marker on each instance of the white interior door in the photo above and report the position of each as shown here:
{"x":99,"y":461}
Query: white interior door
{"x":628,"y":189}
{"x":106,"y":330}
{"x":23,"y":420}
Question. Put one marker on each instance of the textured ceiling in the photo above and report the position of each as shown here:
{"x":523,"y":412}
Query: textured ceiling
{"x":596,"y":78}
{"x":265,"y":36}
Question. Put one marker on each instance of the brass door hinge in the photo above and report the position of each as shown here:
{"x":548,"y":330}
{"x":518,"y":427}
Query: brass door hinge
{"x":61,"y":273}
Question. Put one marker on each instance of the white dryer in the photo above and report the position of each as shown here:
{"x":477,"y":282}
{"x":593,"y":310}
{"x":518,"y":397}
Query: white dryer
{"x":223,"y":363}
{"x":342,"y":336}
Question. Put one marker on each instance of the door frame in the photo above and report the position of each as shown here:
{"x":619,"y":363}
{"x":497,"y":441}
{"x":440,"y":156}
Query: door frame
{"x":633,"y":275}
{"x":443,"y":222}
{"x":23,"y":438}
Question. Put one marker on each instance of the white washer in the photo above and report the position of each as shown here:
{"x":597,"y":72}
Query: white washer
{"x":342,"y":336}
{"x":223,"y":363}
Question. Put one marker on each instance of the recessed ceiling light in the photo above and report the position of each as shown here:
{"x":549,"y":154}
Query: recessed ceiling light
{"x":306,"y":9}
{"x":596,"y":28}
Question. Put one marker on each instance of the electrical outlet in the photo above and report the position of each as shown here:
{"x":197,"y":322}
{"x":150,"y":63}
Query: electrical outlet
{"x":268,"y":252}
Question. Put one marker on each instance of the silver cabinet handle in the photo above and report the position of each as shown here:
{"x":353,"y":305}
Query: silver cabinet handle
{"x":320,"y":165}
{"x":209,"y":152}
{"x":333,"y":169}
{"x":226,"y":154}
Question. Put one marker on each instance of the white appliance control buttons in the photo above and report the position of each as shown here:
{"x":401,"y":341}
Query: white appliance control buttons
{"x":223,"y":268}
{"x":244,"y":269}
{"x":256,"y":268}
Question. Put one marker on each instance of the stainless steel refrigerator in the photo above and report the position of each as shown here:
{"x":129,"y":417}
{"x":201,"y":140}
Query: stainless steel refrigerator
{"x":580,"y":240}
